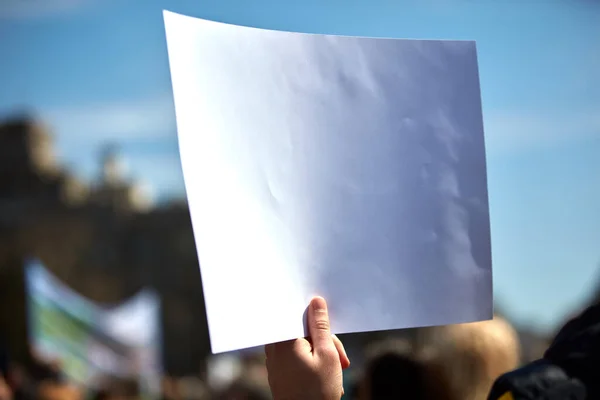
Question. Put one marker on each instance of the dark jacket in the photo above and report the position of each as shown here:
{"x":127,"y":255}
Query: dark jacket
{"x":569,"y":370}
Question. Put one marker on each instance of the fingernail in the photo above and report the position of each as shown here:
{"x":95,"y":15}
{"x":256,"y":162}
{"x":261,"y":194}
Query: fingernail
{"x":318,"y":304}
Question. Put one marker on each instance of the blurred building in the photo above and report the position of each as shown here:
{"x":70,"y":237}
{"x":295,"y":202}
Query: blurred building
{"x":104,"y":238}
{"x":29,"y":172}
{"x":114,"y":189}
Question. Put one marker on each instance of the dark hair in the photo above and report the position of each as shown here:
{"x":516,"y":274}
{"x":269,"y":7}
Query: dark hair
{"x":396,"y":376}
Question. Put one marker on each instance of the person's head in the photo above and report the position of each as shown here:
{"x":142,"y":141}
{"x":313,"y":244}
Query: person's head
{"x":473,"y":355}
{"x":395,"y":371}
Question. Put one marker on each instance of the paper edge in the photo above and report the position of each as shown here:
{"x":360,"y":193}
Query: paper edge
{"x":173,"y":14}
{"x":169,"y":18}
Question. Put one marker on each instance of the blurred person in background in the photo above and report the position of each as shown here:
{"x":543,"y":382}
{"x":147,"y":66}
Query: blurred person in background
{"x":473,"y":355}
{"x":5,"y":392}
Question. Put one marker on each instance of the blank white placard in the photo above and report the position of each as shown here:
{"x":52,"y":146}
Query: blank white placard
{"x":351,"y":168}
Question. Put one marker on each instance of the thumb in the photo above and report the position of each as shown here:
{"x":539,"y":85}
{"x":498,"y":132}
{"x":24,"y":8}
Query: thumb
{"x":318,"y":324}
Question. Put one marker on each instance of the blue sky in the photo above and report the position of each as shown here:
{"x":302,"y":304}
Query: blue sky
{"x":97,"y":71}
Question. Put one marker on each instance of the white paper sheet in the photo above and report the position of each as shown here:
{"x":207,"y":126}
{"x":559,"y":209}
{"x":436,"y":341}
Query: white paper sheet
{"x":351,"y":168}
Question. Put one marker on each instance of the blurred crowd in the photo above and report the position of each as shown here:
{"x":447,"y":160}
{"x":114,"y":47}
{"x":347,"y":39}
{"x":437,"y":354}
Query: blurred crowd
{"x":444,"y":363}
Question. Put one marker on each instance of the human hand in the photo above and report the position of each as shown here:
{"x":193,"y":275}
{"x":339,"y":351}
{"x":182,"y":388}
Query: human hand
{"x":308,"y":368}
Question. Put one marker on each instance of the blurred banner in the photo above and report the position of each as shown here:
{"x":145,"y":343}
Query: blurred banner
{"x":94,"y":343}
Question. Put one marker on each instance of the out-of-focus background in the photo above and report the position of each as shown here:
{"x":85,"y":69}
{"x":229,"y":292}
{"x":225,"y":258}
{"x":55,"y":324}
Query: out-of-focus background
{"x":99,"y":279}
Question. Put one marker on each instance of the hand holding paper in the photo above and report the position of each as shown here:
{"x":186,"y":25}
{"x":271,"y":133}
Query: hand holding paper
{"x":303,"y":369}
{"x":350,"y":168}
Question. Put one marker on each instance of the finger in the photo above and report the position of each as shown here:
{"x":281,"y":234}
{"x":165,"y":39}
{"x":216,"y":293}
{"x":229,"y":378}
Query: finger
{"x":318,"y":324}
{"x":344,"y":360}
